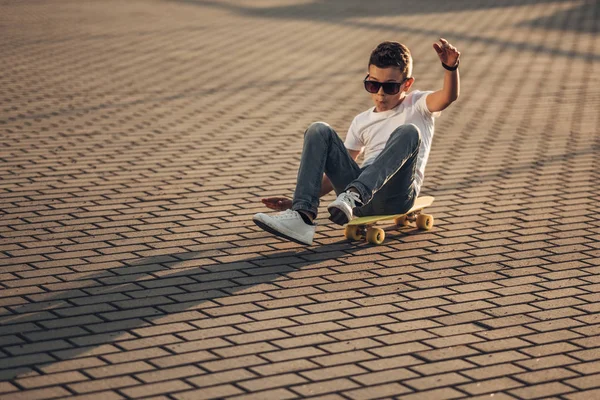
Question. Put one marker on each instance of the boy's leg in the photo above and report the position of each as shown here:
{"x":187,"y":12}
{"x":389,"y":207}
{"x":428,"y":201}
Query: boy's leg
{"x":387,"y":185}
{"x":323,"y":152}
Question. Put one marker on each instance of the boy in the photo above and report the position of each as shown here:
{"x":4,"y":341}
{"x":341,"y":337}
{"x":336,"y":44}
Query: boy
{"x":395,"y":136}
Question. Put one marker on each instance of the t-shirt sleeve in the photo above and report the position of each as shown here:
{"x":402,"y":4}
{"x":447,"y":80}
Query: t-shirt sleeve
{"x":353,"y":140}
{"x":421,"y":105}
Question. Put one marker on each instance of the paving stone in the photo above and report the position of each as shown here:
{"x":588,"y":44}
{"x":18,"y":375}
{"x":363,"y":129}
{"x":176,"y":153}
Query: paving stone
{"x":376,"y":392}
{"x":103,"y":384}
{"x":582,"y":395}
{"x":51,"y":379}
{"x":324,"y":387}
{"x":496,"y":385}
{"x":119,"y":369}
{"x":214,"y":392}
{"x":541,"y":390}
{"x":584,"y":382}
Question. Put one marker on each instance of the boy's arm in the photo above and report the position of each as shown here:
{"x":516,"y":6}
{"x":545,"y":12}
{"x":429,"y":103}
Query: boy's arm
{"x":326,"y":185}
{"x":439,"y":100}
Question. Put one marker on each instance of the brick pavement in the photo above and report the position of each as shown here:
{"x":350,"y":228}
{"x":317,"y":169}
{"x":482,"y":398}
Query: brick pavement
{"x":138,"y":137}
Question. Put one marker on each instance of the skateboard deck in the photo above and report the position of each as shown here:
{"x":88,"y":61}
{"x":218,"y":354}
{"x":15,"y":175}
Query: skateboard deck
{"x":363,"y":227}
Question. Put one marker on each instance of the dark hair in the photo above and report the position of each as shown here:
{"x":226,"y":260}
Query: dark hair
{"x":392,"y":54}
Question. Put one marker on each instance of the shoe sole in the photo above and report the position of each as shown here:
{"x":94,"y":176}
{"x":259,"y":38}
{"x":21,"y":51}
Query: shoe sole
{"x":267,"y":228}
{"x":337,"y":216}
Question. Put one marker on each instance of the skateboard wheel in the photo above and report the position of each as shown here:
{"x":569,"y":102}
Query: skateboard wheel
{"x":375,"y":235}
{"x":402,"y":220}
{"x":351,"y":232}
{"x":425,"y":221}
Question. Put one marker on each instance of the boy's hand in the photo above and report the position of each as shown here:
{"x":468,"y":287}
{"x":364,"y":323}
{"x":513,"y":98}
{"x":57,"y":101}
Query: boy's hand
{"x":447,"y":53}
{"x":277,"y":203}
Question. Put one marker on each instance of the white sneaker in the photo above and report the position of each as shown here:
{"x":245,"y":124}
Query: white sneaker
{"x":287,"y":224}
{"x":341,"y":208}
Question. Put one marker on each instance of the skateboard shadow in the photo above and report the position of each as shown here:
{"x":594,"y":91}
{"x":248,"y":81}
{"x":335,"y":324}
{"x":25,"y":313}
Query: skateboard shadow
{"x":108,"y":306}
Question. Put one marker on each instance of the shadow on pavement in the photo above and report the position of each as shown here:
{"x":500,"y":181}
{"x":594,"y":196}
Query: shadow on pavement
{"x":354,"y":13}
{"x":335,"y":10}
{"x":566,"y":20}
{"x":105,"y":307}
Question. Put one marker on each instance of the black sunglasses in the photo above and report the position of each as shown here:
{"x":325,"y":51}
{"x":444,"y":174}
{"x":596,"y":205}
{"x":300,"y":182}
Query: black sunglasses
{"x":388,"y":87}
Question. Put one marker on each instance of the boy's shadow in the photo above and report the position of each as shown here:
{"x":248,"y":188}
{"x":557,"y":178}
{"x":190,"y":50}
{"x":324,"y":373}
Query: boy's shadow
{"x":140,"y":293}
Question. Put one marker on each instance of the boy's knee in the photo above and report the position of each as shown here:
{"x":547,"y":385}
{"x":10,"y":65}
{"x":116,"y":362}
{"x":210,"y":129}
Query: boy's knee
{"x":407,"y":133}
{"x":318,"y":128}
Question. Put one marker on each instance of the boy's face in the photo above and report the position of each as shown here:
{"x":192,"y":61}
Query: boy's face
{"x":382,"y":100}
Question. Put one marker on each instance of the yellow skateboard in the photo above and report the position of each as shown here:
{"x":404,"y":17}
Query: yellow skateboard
{"x":363,"y":227}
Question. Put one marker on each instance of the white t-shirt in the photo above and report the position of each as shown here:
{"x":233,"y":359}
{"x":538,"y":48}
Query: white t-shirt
{"x":370,"y":130}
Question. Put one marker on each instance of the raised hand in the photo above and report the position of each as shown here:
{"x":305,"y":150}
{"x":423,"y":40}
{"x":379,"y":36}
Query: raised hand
{"x":277,"y":203}
{"x":447,"y":53}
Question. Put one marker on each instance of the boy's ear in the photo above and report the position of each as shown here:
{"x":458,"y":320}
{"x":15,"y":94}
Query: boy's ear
{"x":409,"y":82}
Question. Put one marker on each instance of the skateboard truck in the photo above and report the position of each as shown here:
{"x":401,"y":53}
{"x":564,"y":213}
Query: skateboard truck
{"x":363,"y":227}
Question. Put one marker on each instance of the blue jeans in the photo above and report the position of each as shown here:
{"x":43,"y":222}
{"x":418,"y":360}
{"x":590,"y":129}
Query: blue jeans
{"x":386,"y":186}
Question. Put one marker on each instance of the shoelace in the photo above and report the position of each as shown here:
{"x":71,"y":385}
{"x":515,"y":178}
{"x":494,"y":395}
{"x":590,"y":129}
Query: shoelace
{"x":287,"y":214}
{"x":352,"y":198}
